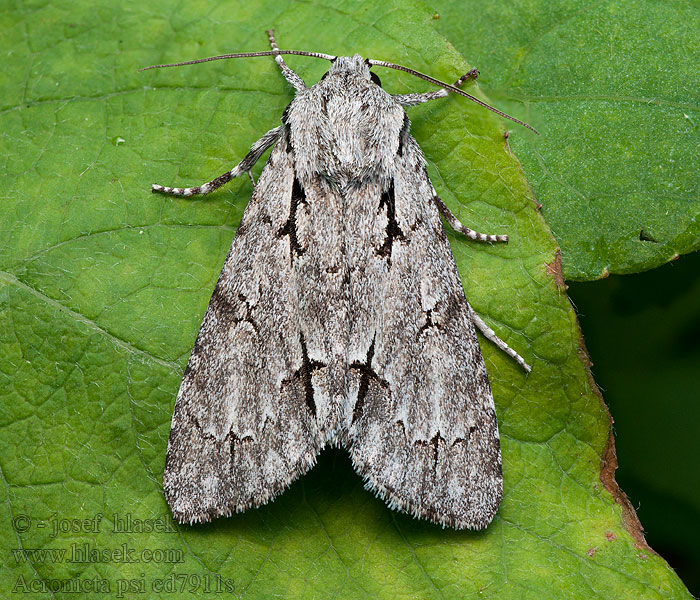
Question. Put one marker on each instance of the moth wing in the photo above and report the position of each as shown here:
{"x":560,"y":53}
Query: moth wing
{"x":241,"y":429}
{"x":422,"y":429}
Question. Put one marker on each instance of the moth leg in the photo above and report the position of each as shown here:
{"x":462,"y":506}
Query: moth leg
{"x":252,"y":179}
{"x":478,"y":321}
{"x":244,"y":166}
{"x":289,"y":75}
{"x":413,"y":99}
{"x":491,"y":336}
{"x":458,"y":227}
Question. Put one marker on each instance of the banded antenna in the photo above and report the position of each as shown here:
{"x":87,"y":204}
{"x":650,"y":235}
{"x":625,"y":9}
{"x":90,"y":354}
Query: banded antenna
{"x":331,"y":58}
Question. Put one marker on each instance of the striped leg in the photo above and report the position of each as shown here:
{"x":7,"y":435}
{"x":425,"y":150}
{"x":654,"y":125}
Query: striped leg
{"x":481,"y":325}
{"x":413,"y":99}
{"x":244,"y":166}
{"x":459,"y":228}
{"x":491,"y":336}
{"x":289,"y":75}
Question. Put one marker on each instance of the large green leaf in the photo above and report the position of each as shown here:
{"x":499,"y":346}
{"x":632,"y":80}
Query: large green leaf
{"x":613,"y":88}
{"x":103,"y":287}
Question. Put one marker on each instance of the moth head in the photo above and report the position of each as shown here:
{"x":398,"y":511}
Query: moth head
{"x":354,"y":65}
{"x":351,"y":65}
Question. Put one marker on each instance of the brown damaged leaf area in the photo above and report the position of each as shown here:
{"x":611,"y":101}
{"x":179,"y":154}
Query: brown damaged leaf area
{"x":608,"y":466}
{"x":554,"y":269}
{"x":608,"y":461}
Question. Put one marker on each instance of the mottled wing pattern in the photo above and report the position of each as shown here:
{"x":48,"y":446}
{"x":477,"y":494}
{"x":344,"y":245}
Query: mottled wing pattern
{"x":421,"y":427}
{"x":339,"y":317}
{"x":244,"y":423}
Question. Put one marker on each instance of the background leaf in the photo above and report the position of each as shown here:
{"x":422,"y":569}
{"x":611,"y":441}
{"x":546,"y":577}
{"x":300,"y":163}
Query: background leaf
{"x":103,"y":287}
{"x":612,"y":87}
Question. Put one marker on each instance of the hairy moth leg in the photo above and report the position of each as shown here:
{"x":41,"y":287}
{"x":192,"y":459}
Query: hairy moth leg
{"x":413,"y":99}
{"x":256,"y":151}
{"x":458,"y":227}
{"x":294,"y":79}
{"x":490,"y":335}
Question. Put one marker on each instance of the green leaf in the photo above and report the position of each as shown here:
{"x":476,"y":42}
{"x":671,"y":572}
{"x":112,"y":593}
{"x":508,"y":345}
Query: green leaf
{"x":103,"y":287}
{"x":612,"y":87}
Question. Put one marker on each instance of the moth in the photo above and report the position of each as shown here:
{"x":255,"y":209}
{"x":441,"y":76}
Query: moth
{"x":339,"y":319}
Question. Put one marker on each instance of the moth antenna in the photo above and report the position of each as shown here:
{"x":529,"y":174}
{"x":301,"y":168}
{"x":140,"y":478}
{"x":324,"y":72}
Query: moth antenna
{"x":451,"y":88}
{"x":329,"y":57}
